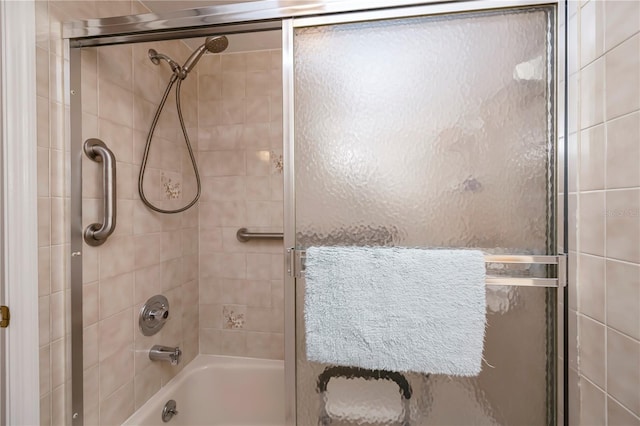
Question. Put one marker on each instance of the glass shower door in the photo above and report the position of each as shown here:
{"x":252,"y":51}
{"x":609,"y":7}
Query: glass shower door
{"x":432,"y":131}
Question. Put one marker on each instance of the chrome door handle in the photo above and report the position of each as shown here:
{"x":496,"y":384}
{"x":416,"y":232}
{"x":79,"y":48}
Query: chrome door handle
{"x":96,"y":233}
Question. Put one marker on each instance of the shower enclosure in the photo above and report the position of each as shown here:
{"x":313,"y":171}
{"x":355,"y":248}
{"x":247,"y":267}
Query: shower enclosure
{"x":421,"y":124}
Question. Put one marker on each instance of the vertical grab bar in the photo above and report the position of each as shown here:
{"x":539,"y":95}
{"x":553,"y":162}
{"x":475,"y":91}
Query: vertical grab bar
{"x":96,"y":233}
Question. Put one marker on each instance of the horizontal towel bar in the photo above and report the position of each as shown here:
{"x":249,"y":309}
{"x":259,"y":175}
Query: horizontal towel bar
{"x":243,"y":235}
{"x":296,"y":258}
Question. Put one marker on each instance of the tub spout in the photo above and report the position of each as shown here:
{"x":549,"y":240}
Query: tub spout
{"x":165,"y":353}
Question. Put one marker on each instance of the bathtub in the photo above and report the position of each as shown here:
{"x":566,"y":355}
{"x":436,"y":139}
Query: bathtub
{"x":220,"y":390}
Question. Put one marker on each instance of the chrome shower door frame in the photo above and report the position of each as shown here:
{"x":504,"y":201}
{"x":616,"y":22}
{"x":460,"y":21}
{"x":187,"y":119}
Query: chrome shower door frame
{"x":253,"y":17}
{"x":559,"y":187}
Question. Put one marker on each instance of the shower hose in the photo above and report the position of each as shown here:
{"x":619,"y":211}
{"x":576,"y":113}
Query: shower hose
{"x":147,"y":147}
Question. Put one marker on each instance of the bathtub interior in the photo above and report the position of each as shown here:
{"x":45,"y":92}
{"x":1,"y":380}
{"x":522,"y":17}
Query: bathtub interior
{"x":220,"y":390}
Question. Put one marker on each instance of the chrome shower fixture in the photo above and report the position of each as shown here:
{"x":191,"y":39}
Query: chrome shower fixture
{"x":215,"y":44}
{"x":156,"y":57}
{"x":212,"y":44}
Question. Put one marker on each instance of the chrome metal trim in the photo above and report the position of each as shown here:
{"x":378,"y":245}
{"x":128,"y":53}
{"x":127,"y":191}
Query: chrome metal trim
{"x":503,"y":258}
{"x":73,"y":68}
{"x":257,"y":16}
{"x":289,"y":221}
{"x":522,"y":282}
{"x":562,"y":334}
{"x":175,"y":34}
{"x":170,"y":354}
{"x":299,"y":256}
{"x":153,"y":315}
{"x":417,"y":10}
{"x":97,"y":233}
{"x":243,"y":235}
{"x":241,"y":13}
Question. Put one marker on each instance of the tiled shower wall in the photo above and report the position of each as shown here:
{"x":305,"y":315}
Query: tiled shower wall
{"x":240,"y":157}
{"x":240,"y":161}
{"x":604,"y":200}
{"x":149,"y":253}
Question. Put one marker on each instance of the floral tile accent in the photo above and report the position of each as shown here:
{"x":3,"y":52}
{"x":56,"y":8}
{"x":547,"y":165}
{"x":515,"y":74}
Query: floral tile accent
{"x":233,"y":316}
{"x":278,"y":164}
{"x":172,"y":190}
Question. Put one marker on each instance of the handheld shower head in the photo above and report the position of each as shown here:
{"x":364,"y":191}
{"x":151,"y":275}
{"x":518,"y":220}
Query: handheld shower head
{"x":214,"y":44}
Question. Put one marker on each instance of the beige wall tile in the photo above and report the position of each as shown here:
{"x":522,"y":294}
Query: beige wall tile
{"x":591,"y":217}
{"x":617,"y":415}
{"x":265,"y":345}
{"x":210,"y":341}
{"x":623,"y":297}
{"x":233,"y":84}
{"x":592,"y":350}
{"x":91,"y":391}
{"x":622,"y":21}
{"x":592,"y":94}
{"x":232,"y":111}
{"x":116,"y":294}
{"x":146,"y":383}
{"x":592,"y":158}
{"x":58,"y":316}
{"x":592,"y":286}
{"x":45,"y":370}
{"x":222,"y":163}
{"x":90,"y":346}
{"x":110,"y":256}
{"x":623,"y":78}
{"x":623,"y":370}
{"x":623,"y":225}
{"x":116,"y":408}
{"x":44,"y":271}
{"x":116,"y":370}
{"x":116,"y":104}
{"x":115,"y":333}
{"x":258,"y":61}
{"x":623,"y":152}
{"x":232,"y":343}
{"x":90,"y":304}
{"x":592,"y":31}
{"x":58,"y":363}
{"x":45,"y":409}
{"x":233,"y":62}
{"x":211,"y":316}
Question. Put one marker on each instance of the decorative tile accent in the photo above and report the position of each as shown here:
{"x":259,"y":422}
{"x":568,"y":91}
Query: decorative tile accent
{"x":233,"y":316}
{"x":172,"y":191}
{"x":278,"y":164}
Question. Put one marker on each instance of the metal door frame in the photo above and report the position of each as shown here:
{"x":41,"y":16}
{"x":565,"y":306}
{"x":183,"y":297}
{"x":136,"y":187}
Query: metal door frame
{"x":242,"y":18}
{"x":289,"y":26}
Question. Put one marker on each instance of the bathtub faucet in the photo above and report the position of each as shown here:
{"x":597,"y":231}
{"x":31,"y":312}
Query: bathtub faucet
{"x":165,"y":353}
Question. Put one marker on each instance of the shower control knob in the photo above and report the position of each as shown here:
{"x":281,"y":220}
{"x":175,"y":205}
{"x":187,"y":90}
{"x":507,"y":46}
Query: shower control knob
{"x":159,"y":314}
{"x":153,"y":314}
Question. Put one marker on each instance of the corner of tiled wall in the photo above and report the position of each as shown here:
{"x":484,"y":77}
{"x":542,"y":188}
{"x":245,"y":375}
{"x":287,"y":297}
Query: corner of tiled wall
{"x":240,"y":155}
{"x":604,"y":200}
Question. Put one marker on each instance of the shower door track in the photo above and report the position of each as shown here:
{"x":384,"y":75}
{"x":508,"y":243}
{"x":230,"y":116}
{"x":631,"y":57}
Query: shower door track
{"x":244,"y":18}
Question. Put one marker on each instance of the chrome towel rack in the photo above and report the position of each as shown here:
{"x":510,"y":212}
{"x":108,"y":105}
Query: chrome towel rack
{"x":296,"y":266}
{"x":243,"y":235}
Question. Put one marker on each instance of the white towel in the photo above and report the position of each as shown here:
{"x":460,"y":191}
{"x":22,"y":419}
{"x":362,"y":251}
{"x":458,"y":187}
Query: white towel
{"x":396,"y":309}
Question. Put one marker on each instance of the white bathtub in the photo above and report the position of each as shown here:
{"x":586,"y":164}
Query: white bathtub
{"x":220,"y":390}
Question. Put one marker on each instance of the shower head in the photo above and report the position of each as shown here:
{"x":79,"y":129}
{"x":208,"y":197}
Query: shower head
{"x":215,"y":44}
{"x":156,"y":57}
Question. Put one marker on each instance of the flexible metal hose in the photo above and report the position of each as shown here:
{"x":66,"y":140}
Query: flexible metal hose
{"x":147,"y":147}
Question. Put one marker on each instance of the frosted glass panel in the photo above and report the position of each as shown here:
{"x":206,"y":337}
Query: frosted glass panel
{"x":432,"y":132}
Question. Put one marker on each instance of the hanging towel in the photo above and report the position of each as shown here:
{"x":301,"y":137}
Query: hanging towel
{"x":396,"y":309}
